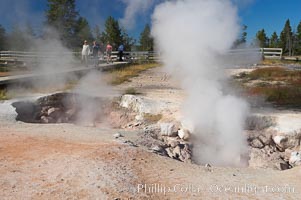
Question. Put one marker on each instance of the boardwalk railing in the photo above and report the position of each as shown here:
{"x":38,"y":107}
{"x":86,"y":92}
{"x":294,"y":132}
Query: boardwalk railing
{"x":20,"y":57}
{"x":32,"y":57}
{"x":272,"y":53}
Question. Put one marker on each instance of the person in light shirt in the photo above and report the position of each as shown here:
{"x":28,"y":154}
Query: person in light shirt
{"x":85,"y":53}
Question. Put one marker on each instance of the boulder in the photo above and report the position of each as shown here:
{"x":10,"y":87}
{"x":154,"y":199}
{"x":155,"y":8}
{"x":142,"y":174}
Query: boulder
{"x":183,"y":134}
{"x":280,"y":141}
{"x":47,"y":119}
{"x":266,"y":138}
{"x":176,"y":152}
{"x":141,"y":105}
{"x":172,"y":141}
{"x":55,"y":113}
{"x":168,"y":129}
{"x":169,"y":152}
{"x":44,"y":110}
{"x":52,"y":110}
{"x":153,"y":131}
{"x":156,"y":148}
{"x":186,"y":153}
{"x":260,"y":159}
{"x":182,"y":152}
{"x":256,"y":143}
{"x":287,"y":141}
{"x":295,"y":158}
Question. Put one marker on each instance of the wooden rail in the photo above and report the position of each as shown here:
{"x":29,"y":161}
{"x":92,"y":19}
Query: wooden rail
{"x":28,"y":58}
{"x":20,"y":57}
{"x":272,"y":53}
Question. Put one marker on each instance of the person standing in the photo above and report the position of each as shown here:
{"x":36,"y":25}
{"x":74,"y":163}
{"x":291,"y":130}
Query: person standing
{"x":109,"y":52}
{"x":95,"y":51}
{"x":120,"y":52}
{"x":85,"y":53}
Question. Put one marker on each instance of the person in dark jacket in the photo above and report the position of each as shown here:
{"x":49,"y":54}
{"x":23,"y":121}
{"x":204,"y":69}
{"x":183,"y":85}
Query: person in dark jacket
{"x":95,"y":52}
{"x":120,"y":52}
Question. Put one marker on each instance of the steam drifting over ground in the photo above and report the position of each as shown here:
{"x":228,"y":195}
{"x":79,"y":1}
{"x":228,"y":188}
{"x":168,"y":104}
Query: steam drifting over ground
{"x":133,"y":8}
{"x":92,"y":86}
{"x":191,"y":34}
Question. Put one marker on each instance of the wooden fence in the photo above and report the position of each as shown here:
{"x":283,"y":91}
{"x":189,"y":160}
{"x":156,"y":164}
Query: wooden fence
{"x":21,"y":57}
{"x":272,"y":53}
{"x":28,"y":58}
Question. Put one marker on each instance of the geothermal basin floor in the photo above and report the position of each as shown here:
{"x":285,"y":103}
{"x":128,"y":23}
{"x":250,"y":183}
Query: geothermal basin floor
{"x":62,"y":161}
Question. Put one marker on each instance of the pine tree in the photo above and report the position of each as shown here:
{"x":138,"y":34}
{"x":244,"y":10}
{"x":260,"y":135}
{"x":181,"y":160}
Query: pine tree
{"x":262,"y":38}
{"x":83,"y":32}
{"x":62,"y":15}
{"x":274,"y":41}
{"x":286,"y":39}
{"x":3,"y":38}
{"x":97,"y":33}
{"x":241,"y":42}
{"x":112,"y":33}
{"x":127,"y":41}
{"x":146,"y":41}
{"x":17,"y":40}
{"x":298,"y":39}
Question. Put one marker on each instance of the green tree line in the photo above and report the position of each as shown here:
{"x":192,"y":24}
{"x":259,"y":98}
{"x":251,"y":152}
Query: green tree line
{"x":289,"y":40}
{"x":72,"y":29}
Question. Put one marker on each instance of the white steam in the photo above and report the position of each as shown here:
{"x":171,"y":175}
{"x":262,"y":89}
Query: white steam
{"x":191,"y":34}
{"x":133,"y":8}
{"x":93,"y":91}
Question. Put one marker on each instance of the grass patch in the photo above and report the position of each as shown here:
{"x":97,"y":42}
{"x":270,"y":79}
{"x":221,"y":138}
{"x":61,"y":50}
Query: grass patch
{"x":4,"y":95}
{"x":124,"y":74}
{"x":279,"y":62}
{"x":287,"y":96}
{"x":150,"y":118}
{"x":132,"y":91}
{"x":278,"y":85}
{"x":275,"y":74}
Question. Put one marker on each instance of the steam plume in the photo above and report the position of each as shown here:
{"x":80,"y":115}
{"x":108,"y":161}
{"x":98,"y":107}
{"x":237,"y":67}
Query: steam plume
{"x":133,"y":8}
{"x":191,"y":34}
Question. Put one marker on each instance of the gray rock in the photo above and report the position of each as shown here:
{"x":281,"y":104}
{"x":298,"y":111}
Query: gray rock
{"x":260,"y":159}
{"x":52,"y":110}
{"x":156,"y":148}
{"x":295,"y":158}
{"x":256,"y":143}
{"x":186,"y":153}
{"x":176,"y":152}
{"x":265,"y":139}
{"x":172,"y":142}
{"x":291,"y":141}
{"x":169,"y":152}
{"x":47,"y":119}
{"x":182,"y":153}
{"x":183,"y":134}
{"x":280,"y":141}
{"x":55,"y":113}
{"x":140,"y":105}
{"x":168,"y":129}
{"x":207,"y":165}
